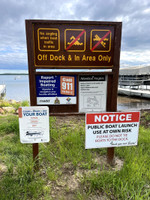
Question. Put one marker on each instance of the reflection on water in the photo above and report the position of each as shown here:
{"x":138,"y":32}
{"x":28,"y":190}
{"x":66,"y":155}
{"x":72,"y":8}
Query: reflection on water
{"x":128,"y":103}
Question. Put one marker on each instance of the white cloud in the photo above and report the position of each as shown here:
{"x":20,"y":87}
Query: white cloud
{"x":134,"y":14}
{"x":14,"y":55}
{"x":136,"y":57}
{"x":146,"y":11}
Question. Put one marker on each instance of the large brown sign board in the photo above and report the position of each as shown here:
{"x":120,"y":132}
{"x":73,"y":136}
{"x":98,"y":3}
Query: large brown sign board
{"x":74,"y":45}
{"x":66,"y":44}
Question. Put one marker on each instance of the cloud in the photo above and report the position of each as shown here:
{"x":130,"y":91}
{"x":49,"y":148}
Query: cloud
{"x":135,"y":58}
{"x":134,"y":14}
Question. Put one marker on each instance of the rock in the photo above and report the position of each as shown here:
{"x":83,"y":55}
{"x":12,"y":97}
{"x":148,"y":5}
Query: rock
{"x":8,"y":109}
{"x":2,"y":111}
{"x":3,"y":168}
{"x":72,"y":183}
{"x":11,"y":101}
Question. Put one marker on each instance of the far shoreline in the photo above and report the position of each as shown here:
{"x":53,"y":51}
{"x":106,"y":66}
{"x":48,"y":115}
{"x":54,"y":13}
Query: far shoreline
{"x":14,"y":74}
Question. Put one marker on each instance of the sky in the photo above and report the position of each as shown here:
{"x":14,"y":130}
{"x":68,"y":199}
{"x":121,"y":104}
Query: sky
{"x":134,"y":14}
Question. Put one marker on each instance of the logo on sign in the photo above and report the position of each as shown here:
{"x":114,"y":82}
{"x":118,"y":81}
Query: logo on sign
{"x":57,"y":101}
{"x":68,"y":100}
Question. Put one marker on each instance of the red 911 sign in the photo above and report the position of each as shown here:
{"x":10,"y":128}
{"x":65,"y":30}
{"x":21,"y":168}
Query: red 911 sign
{"x":67,"y":85}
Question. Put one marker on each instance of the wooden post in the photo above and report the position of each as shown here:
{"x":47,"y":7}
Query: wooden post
{"x":35,"y":148}
{"x":110,"y":156}
{"x":113,"y":86}
{"x":32,"y":84}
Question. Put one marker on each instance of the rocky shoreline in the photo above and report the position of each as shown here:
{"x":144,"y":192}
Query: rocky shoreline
{"x":11,"y":106}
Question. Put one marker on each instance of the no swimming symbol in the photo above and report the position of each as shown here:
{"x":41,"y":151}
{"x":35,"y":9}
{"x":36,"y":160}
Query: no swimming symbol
{"x":100,"y":41}
{"x":75,"y":39}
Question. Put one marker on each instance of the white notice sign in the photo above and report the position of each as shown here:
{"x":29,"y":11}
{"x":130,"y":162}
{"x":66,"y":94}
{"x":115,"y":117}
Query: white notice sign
{"x":92,"y":93}
{"x":111,"y":129}
{"x":34,"y":124}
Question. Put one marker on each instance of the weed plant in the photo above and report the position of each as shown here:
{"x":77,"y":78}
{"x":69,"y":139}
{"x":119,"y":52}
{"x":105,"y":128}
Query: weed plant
{"x":14,"y":104}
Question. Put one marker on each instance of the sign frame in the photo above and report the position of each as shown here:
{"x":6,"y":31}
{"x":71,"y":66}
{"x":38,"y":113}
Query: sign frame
{"x":107,"y":30}
{"x":112,"y":81}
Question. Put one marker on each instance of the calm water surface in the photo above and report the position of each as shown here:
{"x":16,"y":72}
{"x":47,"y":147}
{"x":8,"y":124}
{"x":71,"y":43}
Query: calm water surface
{"x":17,"y":87}
{"x":128,"y":103}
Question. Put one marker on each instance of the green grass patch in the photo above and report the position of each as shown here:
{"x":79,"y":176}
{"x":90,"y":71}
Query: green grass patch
{"x":9,"y":125}
{"x":65,"y":156}
{"x":133,"y":180}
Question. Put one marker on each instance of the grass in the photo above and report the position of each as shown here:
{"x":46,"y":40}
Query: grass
{"x":133,"y":180}
{"x":64,"y":161}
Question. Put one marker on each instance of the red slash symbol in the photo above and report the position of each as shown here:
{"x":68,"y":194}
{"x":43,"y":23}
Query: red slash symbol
{"x":100,"y":40}
{"x":75,"y":40}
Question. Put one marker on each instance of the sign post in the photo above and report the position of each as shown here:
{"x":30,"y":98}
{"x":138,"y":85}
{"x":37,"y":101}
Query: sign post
{"x":73,"y":45}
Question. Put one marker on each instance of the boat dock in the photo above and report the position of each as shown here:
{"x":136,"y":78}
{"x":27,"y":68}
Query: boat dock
{"x":135,"y":93}
{"x":135,"y":81}
{"x":2,"y":90}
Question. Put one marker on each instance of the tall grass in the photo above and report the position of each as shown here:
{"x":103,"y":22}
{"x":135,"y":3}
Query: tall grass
{"x":133,"y":180}
{"x":66,"y":154}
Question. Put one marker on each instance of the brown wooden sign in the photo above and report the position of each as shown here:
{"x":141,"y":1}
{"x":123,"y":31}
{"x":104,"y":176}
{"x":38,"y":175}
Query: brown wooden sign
{"x":73,"y":44}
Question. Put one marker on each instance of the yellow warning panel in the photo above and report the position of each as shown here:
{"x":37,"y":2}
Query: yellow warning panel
{"x":100,"y":40}
{"x":48,"y":39}
{"x":75,"y":40}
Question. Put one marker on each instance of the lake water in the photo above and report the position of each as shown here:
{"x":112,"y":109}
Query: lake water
{"x":125,"y":103}
{"x":17,"y":87}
